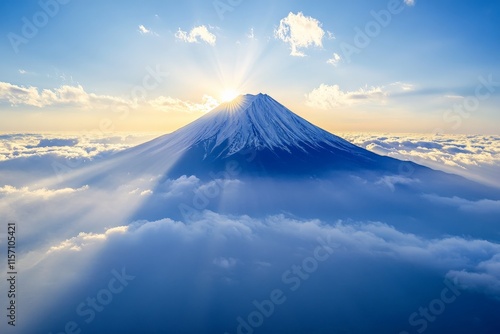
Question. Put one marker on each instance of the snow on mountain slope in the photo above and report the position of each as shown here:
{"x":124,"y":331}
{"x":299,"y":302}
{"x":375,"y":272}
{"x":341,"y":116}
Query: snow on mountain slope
{"x":250,"y":121}
{"x":281,"y":142}
{"x":257,"y":121}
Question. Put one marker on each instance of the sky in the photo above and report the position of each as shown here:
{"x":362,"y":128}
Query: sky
{"x":359,"y":66}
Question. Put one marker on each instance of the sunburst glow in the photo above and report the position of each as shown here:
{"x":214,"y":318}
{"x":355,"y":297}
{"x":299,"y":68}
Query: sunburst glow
{"x":229,"y":95}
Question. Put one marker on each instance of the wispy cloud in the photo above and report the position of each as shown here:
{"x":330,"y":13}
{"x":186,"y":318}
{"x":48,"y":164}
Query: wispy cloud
{"x":197,"y":34}
{"x":251,"y":34}
{"x":402,"y":86}
{"x":335,"y":60}
{"x":86,"y":239}
{"x":42,"y":192}
{"x":145,"y":31}
{"x":24,"y":72}
{"x":327,"y":97}
{"x":170,"y":104}
{"x":300,"y":32}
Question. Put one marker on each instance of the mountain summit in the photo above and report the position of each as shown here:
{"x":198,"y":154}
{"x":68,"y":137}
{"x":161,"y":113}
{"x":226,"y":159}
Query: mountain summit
{"x":256,"y":122}
{"x":263,"y":137}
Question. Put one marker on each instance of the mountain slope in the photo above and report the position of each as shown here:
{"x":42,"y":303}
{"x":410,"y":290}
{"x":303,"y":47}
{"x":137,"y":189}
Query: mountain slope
{"x":263,"y":138}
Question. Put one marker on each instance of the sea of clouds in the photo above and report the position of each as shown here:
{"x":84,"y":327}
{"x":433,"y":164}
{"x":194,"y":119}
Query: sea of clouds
{"x":474,"y":156}
{"x":186,"y":255}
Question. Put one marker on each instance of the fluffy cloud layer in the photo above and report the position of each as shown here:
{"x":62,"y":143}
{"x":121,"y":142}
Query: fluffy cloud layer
{"x":82,"y":146}
{"x":300,"y":32}
{"x":193,"y":248}
{"x":212,"y":264}
{"x":369,"y":238}
{"x":473,"y":156}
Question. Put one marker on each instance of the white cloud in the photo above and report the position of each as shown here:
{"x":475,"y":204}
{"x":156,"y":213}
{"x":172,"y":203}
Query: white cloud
{"x":21,"y":95}
{"x":450,"y":254}
{"x":86,"y":240}
{"x":41,"y":192}
{"x":251,"y":34}
{"x":410,"y":2}
{"x":327,"y":97}
{"x":360,"y":237}
{"x":64,"y":95}
{"x":24,"y":72}
{"x":454,"y":97}
{"x":472,"y":156}
{"x":170,"y":104}
{"x":242,"y":259}
{"x":401,"y":86}
{"x":335,"y":60}
{"x":77,"y":96}
{"x":197,"y":34}
{"x":300,"y":32}
{"x":144,"y":30}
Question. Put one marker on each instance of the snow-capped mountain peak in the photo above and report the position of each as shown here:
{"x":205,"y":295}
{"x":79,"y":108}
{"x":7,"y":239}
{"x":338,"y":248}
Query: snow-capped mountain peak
{"x":257,"y":122}
{"x":280,"y":143}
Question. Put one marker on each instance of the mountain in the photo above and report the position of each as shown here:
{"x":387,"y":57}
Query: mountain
{"x":261,"y":137}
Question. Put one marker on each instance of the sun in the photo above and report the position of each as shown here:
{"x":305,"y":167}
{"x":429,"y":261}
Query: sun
{"x":229,"y":95}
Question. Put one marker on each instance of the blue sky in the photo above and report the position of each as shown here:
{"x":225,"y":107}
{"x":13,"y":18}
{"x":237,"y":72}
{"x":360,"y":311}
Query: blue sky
{"x":91,"y":62}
